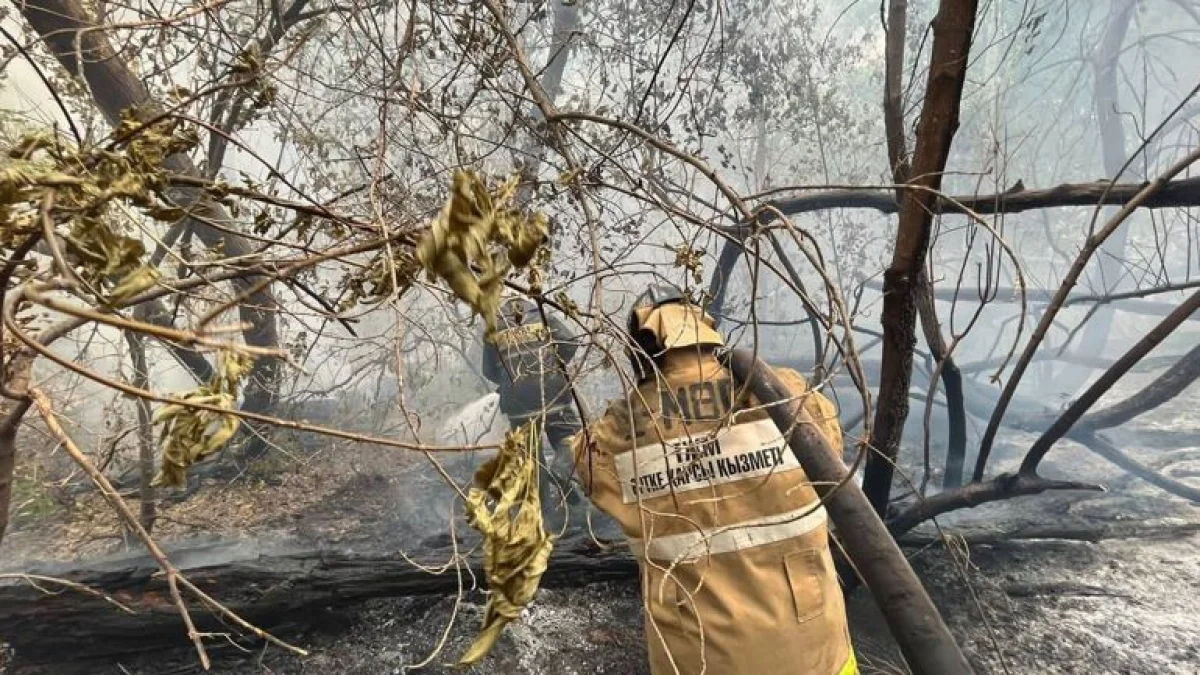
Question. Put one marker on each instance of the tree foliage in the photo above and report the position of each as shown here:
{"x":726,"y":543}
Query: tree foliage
{"x":311,"y":203}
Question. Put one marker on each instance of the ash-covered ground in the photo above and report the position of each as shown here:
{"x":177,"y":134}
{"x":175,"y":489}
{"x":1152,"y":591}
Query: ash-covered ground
{"x":1042,"y":606}
{"x":1077,"y":582}
{"x":1062,"y":583}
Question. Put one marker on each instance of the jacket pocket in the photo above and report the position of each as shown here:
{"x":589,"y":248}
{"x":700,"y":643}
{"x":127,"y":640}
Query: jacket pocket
{"x":670,"y":607}
{"x":806,"y":572}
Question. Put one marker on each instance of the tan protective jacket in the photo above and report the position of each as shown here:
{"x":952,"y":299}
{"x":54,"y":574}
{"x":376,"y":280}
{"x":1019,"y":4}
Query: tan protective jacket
{"x":737,"y":576}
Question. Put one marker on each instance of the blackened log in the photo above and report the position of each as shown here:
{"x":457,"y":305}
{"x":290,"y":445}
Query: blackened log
{"x":276,"y":589}
{"x":1176,"y":194}
{"x":1130,"y":301}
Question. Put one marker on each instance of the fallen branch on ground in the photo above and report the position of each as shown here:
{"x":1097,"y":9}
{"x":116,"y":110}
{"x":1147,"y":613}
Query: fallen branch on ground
{"x":1093,"y":441}
{"x":1002,"y":487}
{"x":173,"y":578}
{"x":1081,"y":533}
{"x":277,"y":587}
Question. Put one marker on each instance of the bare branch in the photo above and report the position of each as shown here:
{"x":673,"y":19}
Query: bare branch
{"x":1093,"y":242}
{"x":952,"y":27}
{"x":1000,"y":488}
{"x":1174,"y":194}
{"x":1105,"y":382}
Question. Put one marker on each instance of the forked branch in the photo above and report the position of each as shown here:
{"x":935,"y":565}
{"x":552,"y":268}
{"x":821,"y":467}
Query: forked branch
{"x":1090,"y":246}
{"x":174,"y":577}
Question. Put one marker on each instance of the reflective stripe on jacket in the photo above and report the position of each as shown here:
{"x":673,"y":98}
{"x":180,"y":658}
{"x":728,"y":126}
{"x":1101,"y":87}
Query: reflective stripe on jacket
{"x":525,"y":359}
{"x":733,"y":543}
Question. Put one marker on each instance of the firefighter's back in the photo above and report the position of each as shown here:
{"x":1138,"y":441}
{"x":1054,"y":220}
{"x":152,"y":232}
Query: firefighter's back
{"x":731,"y":536}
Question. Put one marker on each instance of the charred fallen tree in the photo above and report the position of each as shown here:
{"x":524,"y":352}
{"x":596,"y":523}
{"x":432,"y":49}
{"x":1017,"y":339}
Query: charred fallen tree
{"x":1127,"y":301}
{"x":1074,"y":423}
{"x":1175,"y":194}
{"x":122,"y":606}
{"x":1172,"y":194}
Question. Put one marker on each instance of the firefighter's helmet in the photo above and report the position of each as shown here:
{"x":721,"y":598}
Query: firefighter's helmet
{"x":664,"y":318}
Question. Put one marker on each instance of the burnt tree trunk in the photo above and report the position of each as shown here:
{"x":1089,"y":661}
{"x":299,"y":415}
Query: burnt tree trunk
{"x":1178,"y":193}
{"x":956,"y":407}
{"x":952,"y":31}
{"x":16,"y":379}
{"x":145,"y":431}
{"x":8,"y":457}
{"x":284,"y":591}
{"x":897,"y":145}
{"x":83,"y":49}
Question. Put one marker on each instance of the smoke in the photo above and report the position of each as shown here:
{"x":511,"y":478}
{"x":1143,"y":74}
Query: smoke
{"x":479,"y":421}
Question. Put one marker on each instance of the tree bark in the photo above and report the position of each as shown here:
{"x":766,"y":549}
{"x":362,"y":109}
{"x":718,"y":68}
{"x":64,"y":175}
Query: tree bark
{"x":145,"y":432}
{"x":8,"y":457}
{"x":1178,"y":193}
{"x":893,"y":92}
{"x":893,"y":117}
{"x":956,"y":409}
{"x":923,"y":637}
{"x":1042,"y":296}
{"x":952,"y":30}
{"x":84,"y":50}
{"x":157,"y":313}
{"x":273,"y":588}
{"x":1002,"y":487}
{"x":16,"y":381}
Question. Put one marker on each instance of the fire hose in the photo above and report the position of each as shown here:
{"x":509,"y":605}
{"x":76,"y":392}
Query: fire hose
{"x":918,"y":628}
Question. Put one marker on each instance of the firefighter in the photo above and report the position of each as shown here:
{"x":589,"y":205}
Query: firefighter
{"x":732,"y":541}
{"x":526,"y":358}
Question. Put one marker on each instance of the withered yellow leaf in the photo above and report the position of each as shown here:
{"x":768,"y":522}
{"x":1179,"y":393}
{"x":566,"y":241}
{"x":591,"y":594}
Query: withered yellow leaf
{"x":516,"y":548}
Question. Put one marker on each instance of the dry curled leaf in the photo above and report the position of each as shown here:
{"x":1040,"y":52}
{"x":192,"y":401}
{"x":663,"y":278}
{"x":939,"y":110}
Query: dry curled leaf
{"x":384,"y":276}
{"x":140,"y":279}
{"x":504,"y":506}
{"x":478,"y":237}
{"x":80,"y":183}
{"x":190,"y":434}
{"x":692,"y":260}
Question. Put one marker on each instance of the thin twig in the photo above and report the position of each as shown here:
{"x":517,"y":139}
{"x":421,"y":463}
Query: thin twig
{"x":174,"y":577}
{"x":1105,"y":382}
{"x":1090,"y":246}
{"x":33,"y":580}
{"x":110,"y":495}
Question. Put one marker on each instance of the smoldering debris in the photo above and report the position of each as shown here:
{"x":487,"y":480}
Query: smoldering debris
{"x":1118,"y":606}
